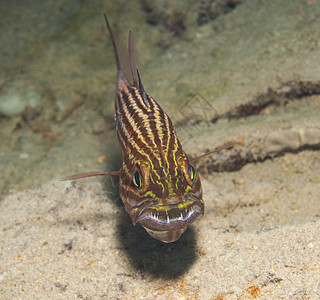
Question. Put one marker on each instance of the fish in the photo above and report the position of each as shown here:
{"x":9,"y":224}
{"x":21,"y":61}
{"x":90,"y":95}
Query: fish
{"x":158,"y":184}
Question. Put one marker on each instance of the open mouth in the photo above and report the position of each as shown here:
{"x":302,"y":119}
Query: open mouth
{"x":173,"y":217}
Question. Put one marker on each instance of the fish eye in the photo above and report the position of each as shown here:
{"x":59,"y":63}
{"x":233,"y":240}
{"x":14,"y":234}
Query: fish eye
{"x":192,"y":172}
{"x":137,"y":179}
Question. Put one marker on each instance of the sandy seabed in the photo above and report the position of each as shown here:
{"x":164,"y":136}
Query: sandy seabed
{"x":67,"y":240}
{"x":72,"y":239}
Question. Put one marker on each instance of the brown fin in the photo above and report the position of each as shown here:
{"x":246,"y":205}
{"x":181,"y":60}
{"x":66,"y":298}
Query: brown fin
{"x":132,"y":59}
{"x":142,"y":91}
{"x":90,"y":174}
{"x":124,"y":62}
{"x":115,"y":48}
{"x":223,"y":147}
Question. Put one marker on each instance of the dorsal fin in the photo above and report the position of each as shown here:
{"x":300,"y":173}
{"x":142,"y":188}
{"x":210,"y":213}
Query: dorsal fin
{"x":132,"y":59}
{"x":142,"y":91}
{"x":134,"y":74}
{"x":125,"y":58}
{"x":116,"y":53}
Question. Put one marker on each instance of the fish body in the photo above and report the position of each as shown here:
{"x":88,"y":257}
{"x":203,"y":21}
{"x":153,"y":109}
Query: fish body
{"x":158,"y":185}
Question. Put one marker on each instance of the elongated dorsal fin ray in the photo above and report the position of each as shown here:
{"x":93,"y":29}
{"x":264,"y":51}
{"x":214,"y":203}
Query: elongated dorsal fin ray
{"x":125,"y":63}
{"x":223,"y":147}
{"x":132,"y":59}
{"x":142,"y":91}
{"x":90,"y":174}
{"x":116,"y":53}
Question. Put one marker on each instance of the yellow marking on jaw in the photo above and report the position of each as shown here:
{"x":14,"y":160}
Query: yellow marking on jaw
{"x":170,"y":189}
{"x":149,"y":194}
{"x":184,"y":204}
{"x":188,"y":189}
{"x":180,"y":206}
{"x":161,"y":208}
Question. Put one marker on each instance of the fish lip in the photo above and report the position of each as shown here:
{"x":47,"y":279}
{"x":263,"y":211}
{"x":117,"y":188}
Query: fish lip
{"x":171,"y":217}
{"x":146,"y":203}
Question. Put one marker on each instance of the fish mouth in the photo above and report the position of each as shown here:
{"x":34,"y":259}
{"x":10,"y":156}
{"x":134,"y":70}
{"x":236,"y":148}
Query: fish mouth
{"x":177,"y":216}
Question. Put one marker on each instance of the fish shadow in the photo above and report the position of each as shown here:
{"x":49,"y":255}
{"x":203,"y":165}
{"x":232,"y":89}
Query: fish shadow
{"x":154,"y":258}
{"x":150,"y":257}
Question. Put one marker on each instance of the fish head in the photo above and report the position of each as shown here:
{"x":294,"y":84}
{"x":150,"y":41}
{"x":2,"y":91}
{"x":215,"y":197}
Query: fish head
{"x":163,"y":196}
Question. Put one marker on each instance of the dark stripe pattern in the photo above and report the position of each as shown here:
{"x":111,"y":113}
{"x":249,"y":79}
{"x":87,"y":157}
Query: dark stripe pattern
{"x":170,"y":197}
{"x":159,"y":187}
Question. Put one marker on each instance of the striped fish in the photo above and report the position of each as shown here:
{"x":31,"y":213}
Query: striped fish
{"x":158,"y":185}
